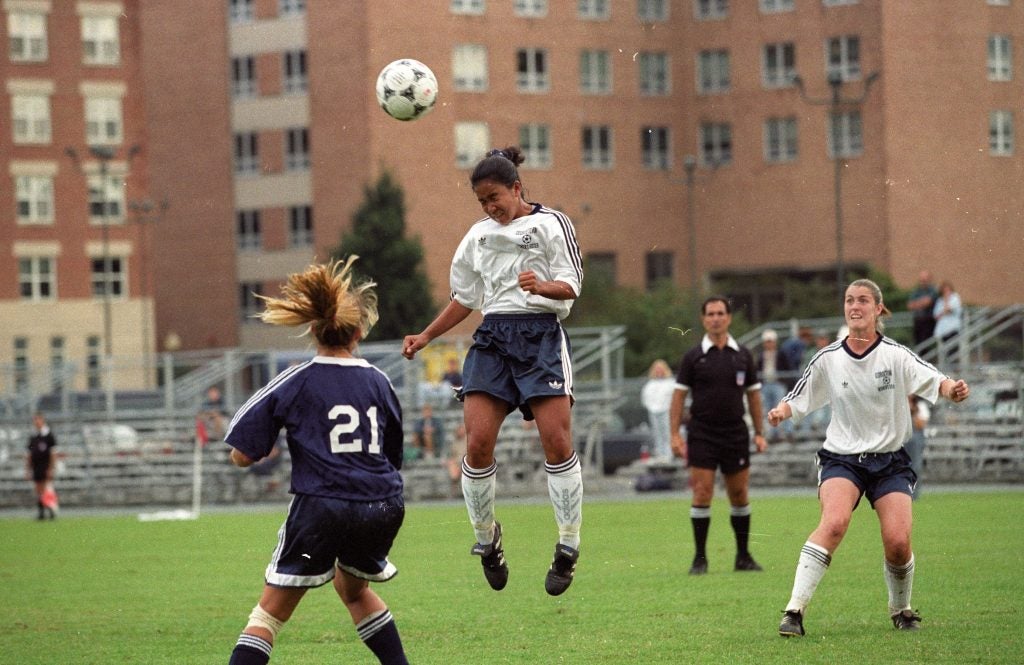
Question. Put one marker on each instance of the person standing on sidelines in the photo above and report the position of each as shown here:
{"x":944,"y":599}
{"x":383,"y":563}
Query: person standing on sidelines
{"x":719,"y":373}
{"x":40,"y":462}
{"x":343,"y":424}
{"x":656,"y":397}
{"x":521,"y":266}
{"x":866,"y":379}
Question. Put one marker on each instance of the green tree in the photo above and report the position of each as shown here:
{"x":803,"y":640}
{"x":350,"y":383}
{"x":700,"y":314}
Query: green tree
{"x":389,"y":258}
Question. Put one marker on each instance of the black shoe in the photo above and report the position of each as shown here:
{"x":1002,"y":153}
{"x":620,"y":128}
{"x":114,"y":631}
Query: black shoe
{"x":492,"y":556}
{"x":906,"y":620}
{"x":792,"y":624}
{"x":563,"y":566}
{"x":699,"y":566}
{"x":746,"y":562}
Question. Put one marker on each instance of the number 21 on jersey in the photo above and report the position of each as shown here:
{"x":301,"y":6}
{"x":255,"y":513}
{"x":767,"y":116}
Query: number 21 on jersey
{"x":350,"y":423}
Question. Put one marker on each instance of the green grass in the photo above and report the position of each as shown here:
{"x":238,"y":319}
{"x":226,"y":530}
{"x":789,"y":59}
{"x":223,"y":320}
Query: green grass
{"x":114,"y":590}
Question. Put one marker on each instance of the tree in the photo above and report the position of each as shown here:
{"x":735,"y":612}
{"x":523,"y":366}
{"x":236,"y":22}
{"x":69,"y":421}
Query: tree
{"x":390,"y":259}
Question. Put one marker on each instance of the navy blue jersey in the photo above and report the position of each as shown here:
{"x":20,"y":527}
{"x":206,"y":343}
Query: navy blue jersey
{"x":343,"y":424}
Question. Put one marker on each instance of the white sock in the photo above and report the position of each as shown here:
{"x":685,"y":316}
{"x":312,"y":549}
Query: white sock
{"x":478,"y":491}
{"x":900,"y":580}
{"x":565,"y":487}
{"x":814,"y":561}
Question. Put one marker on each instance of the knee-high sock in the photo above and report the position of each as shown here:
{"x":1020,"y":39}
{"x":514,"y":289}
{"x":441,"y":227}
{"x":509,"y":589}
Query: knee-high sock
{"x":251,"y":650}
{"x":700,"y":518}
{"x":814,"y":561}
{"x":900,"y":581}
{"x":565,"y":487}
{"x":739,"y":517}
{"x":478,"y":491}
{"x":380,"y":634}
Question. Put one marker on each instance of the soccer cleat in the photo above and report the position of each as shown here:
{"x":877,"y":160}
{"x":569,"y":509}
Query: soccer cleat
{"x":906,"y":620}
{"x":792,"y":624}
{"x":699,"y":566}
{"x":492,"y":557}
{"x":563,"y":567}
{"x":746,"y":562}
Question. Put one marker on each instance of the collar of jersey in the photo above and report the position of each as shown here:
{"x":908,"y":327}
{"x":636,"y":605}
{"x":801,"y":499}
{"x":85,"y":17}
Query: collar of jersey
{"x":706,"y":343}
{"x":859,"y":356}
{"x":331,"y":360}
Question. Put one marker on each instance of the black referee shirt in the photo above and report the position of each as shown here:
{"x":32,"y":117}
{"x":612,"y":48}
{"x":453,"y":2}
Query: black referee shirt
{"x":717,"y":380}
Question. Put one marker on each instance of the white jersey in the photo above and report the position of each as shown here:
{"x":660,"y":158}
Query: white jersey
{"x":486,"y":267}
{"x":867,"y":393}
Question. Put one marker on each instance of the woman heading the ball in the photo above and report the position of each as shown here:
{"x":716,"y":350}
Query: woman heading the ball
{"x":865,"y":378}
{"x":344,"y":429}
{"x":521,"y":267}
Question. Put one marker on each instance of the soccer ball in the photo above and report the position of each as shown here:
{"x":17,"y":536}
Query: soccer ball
{"x":406,"y":89}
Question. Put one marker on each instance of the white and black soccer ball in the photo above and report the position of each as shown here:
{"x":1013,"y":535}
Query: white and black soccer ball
{"x":406,"y":89}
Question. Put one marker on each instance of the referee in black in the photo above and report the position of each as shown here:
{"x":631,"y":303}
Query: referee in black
{"x":718,"y":373}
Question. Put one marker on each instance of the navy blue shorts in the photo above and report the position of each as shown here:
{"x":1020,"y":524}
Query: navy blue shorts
{"x":874,"y":474}
{"x":517,"y":357}
{"x":321,"y":532}
{"x":724,"y":447}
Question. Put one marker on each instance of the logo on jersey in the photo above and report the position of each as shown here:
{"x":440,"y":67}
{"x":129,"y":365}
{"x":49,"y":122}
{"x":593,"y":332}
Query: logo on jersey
{"x":526,"y":242}
{"x":482,"y":240}
{"x":885,"y":380}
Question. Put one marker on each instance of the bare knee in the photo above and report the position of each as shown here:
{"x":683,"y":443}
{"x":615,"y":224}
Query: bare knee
{"x":834,"y":528}
{"x":898,"y":552}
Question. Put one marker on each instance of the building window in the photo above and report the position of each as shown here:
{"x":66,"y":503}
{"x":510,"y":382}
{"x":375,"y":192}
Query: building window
{"x":655,"y":148}
{"x":468,"y":6}
{"x":243,"y":77}
{"x":654,"y":78}
{"x":20,"y":364}
{"x":713,"y":71}
{"x":106,"y":199}
{"x":297,"y":149}
{"x":1000,"y":58}
{"x":93,"y":373}
{"x":34,"y":194}
{"x":1000,"y":133}
{"x":846,"y":135}
{"x":101,"y":42}
{"x":241,"y":11}
{"x":531,"y":8}
{"x":57,"y":361}
{"x":469,"y":67}
{"x":26,"y":32}
{"x":472,"y":141}
{"x":601,"y":267}
{"x":31,"y":118}
{"x":778,"y":66}
{"x":109,"y":277}
{"x":708,"y":10}
{"x":249,"y":305}
{"x":535,"y":142}
{"x":37,"y":278}
{"x":843,"y":57}
{"x":104,"y":122}
{"x":716,"y":144}
{"x":248,"y":234}
{"x":776,"y":6}
{"x":532,"y":70}
{"x":289,"y":8}
{"x":659,"y":269}
{"x":247,"y":153}
{"x":999,"y":3}
{"x":300,"y":226}
{"x":296,"y":80}
{"x":836,"y":3}
{"x":652,"y":11}
{"x":593,"y":10}
{"x":597,"y":147}
{"x":780,"y":143}
{"x":595,"y":73}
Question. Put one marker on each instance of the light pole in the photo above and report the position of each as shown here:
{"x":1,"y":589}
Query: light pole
{"x":689,"y":167}
{"x":144,"y":210}
{"x":835,"y":102}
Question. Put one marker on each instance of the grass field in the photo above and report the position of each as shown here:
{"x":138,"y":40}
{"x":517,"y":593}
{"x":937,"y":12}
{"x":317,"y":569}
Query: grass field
{"x":113,"y":590}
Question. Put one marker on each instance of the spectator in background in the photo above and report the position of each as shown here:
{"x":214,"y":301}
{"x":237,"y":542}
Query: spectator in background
{"x":922,"y":303}
{"x":818,"y":420}
{"x":794,"y":347}
{"x":920,"y":414}
{"x":428,"y":433}
{"x":777,"y":378}
{"x":453,"y":376}
{"x":212,"y":413}
{"x":948,"y":311}
{"x":656,"y":396}
{"x":453,"y":459}
{"x":40,"y":463}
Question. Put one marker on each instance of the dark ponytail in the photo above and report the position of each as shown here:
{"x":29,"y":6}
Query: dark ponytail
{"x":499,"y":165}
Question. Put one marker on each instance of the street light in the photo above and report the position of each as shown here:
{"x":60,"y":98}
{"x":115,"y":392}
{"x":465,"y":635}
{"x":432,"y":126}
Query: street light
{"x":835,"y":101}
{"x":689,"y":167}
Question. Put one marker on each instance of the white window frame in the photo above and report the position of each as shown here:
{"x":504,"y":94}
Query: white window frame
{"x":776,"y":72}
{"x":243,"y":77}
{"x":654,"y":78}
{"x":713,"y":71}
{"x":715,"y":140}
{"x":108,"y":192}
{"x":656,"y":148}
{"x":595,"y":72}
{"x":652,"y":11}
{"x":1000,"y":133}
{"x":58,"y":360}
{"x":27,"y":36}
{"x":710,"y":10}
{"x":37,"y":274}
{"x":472,"y":141}
{"x":842,"y":56}
{"x":241,"y":12}
{"x":776,"y":6}
{"x":33,"y":199}
{"x":530,"y":8}
{"x":249,"y":306}
{"x":535,"y":142}
{"x":838,"y":3}
{"x":247,"y":153}
{"x":594,"y":10}
{"x":296,"y":149}
{"x":780,"y":140}
{"x":597,"y":147}
{"x":248,"y":230}
{"x":104,"y":120}
{"x":473,"y":7}
{"x":101,"y":40}
{"x":1000,"y":58}
{"x":112,"y":275}
{"x":532,"y":70}
{"x":31,"y":121}
{"x":300,"y":226}
{"x":469,"y":68}
{"x":294,"y":72}
{"x":291,"y":8}
{"x":845,"y":135}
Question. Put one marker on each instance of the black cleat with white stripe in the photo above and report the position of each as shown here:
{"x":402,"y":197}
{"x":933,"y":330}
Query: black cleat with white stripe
{"x":492,"y":557}
{"x":563,"y":567}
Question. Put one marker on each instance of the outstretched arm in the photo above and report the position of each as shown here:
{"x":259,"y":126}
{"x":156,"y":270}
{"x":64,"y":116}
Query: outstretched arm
{"x":449,"y":317}
{"x":955,"y":390}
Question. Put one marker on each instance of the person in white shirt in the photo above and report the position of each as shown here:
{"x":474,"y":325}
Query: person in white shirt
{"x":866,"y":379}
{"x":656,"y":396}
{"x":521,"y":267}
